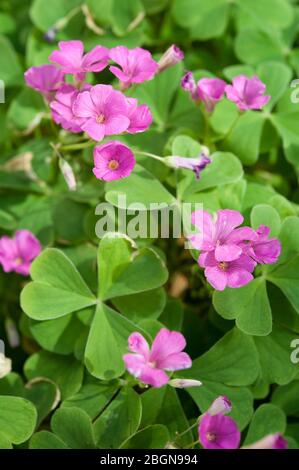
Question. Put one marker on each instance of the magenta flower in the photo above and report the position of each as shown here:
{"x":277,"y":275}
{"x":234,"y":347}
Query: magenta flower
{"x":221,"y":405}
{"x":171,"y":57}
{"x":113,"y":161}
{"x":46,"y":79}
{"x":71,"y":58}
{"x":197,"y":165}
{"x":140,"y":116}
{"x":218,"y":432}
{"x":220,"y":237}
{"x":222,"y":274}
{"x":272,"y":441}
{"x":104,"y":111}
{"x":264,"y":250}
{"x":17,"y":253}
{"x":247,"y":93}
{"x":136,"y":65}
{"x":189,"y":84}
{"x":62,"y":108}
{"x":149,"y":365}
{"x":210,"y":91}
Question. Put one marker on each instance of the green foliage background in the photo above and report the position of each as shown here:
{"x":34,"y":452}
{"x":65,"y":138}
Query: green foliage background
{"x":67,"y":388}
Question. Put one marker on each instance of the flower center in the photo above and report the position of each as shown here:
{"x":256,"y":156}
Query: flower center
{"x":223,"y":265}
{"x":100,"y":119}
{"x":18,"y":261}
{"x":152,"y":364}
{"x":113,"y":165}
{"x":210,"y":437}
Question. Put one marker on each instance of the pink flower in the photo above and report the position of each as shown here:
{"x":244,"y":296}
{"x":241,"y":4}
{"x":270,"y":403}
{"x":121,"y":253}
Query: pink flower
{"x":221,"y":405}
{"x":149,"y":365}
{"x":222,"y":274}
{"x":264,"y":250}
{"x":220,"y":236}
{"x":272,"y":441}
{"x":171,"y":57}
{"x":113,"y":161}
{"x":197,"y":165}
{"x":247,"y":93}
{"x":136,"y":65}
{"x":218,"y":432}
{"x":71,"y":58}
{"x":46,"y":79}
{"x":62,"y":108}
{"x":17,"y":253}
{"x":210,"y":91}
{"x":104,"y":111}
{"x":140,"y":116}
{"x":189,"y":84}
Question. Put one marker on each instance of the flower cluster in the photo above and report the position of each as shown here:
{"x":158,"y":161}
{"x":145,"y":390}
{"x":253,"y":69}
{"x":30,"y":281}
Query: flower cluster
{"x":218,"y":431}
{"x":149,"y":364}
{"x":229,"y":253}
{"x":247,"y":93}
{"x":17,"y":253}
{"x":99,"y":110}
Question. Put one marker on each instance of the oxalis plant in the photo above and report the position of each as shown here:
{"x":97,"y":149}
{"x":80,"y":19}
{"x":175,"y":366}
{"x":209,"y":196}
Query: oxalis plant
{"x":149,"y":240}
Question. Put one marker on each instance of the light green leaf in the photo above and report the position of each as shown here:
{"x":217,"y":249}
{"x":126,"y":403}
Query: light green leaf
{"x":268,"y":419}
{"x":73,"y":426}
{"x":263,"y":214}
{"x":17,"y":418}
{"x":151,"y":437}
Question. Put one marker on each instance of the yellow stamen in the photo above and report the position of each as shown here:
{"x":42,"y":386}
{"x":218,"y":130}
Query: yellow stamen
{"x":113,"y":164}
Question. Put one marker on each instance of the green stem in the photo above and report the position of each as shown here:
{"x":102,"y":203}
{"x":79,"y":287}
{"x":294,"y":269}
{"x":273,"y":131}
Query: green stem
{"x":151,"y":155}
{"x":186,"y":430}
{"x":230,"y":130}
{"x":88,"y":143}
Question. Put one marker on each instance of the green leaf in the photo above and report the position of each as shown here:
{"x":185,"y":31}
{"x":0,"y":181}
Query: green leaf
{"x":17,"y":419}
{"x":46,"y":440}
{"x":253,"y":47}
{"x":266,"y":14}
{"x":151,"y":437}
{"x":263,"y":214}
{"x":11,"y":71}
{"x":26,"y":110}
{"x":92,"y":397}
{"x":57,"y":290}
{"x":274,"y":356}
{"x":199,"y":15}
{"x":124,"y":14}
{"x":287,"y":398}
{"x":65,"y":371}
{"x":107,"y":343}
{"x":244,"y":139}
{"x":277,"y":77}
{"x":119,"y":420}
{"x":286,"y":277}
{"x":268,"y":419}
{"x":162,"y":406}
{"x":140,"y":187}
{"x":249,"y":305}
{"x":7,"y":221}
{"x":145,"y":305}
{"x":119,"y":270}
{"x":43,"y":394}
{"x":287,"y":126}
{"x":45,"y":15}
{"x":73,"y":426}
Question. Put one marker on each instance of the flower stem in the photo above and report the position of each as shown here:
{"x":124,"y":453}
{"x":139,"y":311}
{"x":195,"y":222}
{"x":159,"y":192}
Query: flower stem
{"x":151,"y":155}
{"x":79,"y":146}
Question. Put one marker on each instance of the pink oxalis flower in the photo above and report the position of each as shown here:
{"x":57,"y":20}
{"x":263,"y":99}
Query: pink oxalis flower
{"x":46,"y":79}
{"x":71,"y":58}
{"x":104,"y":111}
{"x":17,"y":253}
{"x":210,"y":91}
{"x":149,"y":364}
{"x":247,"y":93}
{"x":217,"y":431}
{"x":272,"y":441}
{"x":171,"y":57}
{"x":262,"y":249}
{"x":136,"y":65}
{"x":197,"y":165}
{"x":62,"y":107}
{"x":188,"y":84}
{"x":229,"y":253}
{"x":113,"y":161}
{"x":140,"y":116}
